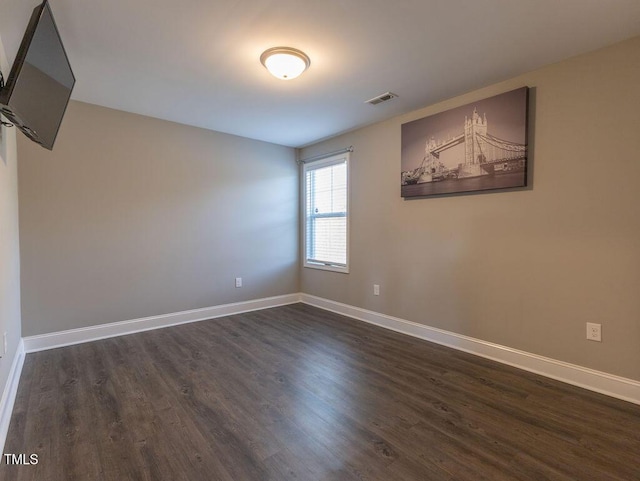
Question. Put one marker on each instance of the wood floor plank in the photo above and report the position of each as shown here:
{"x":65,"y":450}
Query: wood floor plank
{"x":299,"y":393}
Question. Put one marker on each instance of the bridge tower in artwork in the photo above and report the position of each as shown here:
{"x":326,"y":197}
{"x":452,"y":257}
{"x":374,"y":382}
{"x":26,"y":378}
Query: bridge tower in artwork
{"x":475,"y":148}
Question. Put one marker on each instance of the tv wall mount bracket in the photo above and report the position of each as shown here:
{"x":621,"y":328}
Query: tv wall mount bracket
{"x":2,"y":122}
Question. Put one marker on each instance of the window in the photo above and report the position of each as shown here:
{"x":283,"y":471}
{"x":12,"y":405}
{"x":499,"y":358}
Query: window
{"x":326,"y":222}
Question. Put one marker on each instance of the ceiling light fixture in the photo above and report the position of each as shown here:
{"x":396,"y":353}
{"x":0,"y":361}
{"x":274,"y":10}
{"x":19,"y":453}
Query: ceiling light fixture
{"x":285,"y":63}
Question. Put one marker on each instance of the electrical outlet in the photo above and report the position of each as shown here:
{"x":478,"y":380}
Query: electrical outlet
{"x":238,"y":281}
{"x":376,"y":290}
{"x":594,"y":331}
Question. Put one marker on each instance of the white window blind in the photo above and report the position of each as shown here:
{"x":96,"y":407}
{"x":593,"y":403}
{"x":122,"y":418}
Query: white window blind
{"x":326,"y":216}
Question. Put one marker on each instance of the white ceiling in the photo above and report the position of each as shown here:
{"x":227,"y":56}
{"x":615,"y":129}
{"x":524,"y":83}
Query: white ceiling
{"x":197,"y":61}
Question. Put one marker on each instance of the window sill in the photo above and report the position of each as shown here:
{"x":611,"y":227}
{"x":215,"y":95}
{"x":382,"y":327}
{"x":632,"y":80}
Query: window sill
{"x":324,"y":267}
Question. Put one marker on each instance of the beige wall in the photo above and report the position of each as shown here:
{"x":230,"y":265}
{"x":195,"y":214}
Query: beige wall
{"x":524,"y":269}
{"x":9,"y":245}
{"x":131,"y":216}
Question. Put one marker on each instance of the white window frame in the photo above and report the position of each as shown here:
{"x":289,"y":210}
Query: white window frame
{"x":325,"y":162}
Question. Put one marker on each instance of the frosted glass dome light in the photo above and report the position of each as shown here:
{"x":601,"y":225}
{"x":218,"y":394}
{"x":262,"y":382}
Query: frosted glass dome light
{"x":285,"y":63}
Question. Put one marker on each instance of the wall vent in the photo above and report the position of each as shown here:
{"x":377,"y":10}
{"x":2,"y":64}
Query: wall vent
{"x":381,"y":98}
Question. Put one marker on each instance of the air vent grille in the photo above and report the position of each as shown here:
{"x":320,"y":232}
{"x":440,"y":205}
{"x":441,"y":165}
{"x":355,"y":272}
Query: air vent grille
{"x":381,"y":98}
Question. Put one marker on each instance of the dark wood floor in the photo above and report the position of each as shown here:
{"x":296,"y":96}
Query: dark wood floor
{"x":297,"y":393}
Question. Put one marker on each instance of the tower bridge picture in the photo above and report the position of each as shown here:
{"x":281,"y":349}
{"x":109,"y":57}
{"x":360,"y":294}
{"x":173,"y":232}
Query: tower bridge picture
{"x":473,"y":152}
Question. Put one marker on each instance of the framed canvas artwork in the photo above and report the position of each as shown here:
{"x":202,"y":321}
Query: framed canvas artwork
{"x":479,"y":146}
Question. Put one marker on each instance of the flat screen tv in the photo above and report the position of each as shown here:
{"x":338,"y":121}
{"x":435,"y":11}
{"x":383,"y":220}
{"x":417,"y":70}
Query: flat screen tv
{"x":39,"y":86}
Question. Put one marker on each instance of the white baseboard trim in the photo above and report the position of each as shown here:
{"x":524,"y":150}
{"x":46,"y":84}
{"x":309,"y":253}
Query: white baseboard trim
{"x":102,"y":331}
{"x":601,"y":382}
{"x":9,"y":393}
{"x":604,"y":383}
